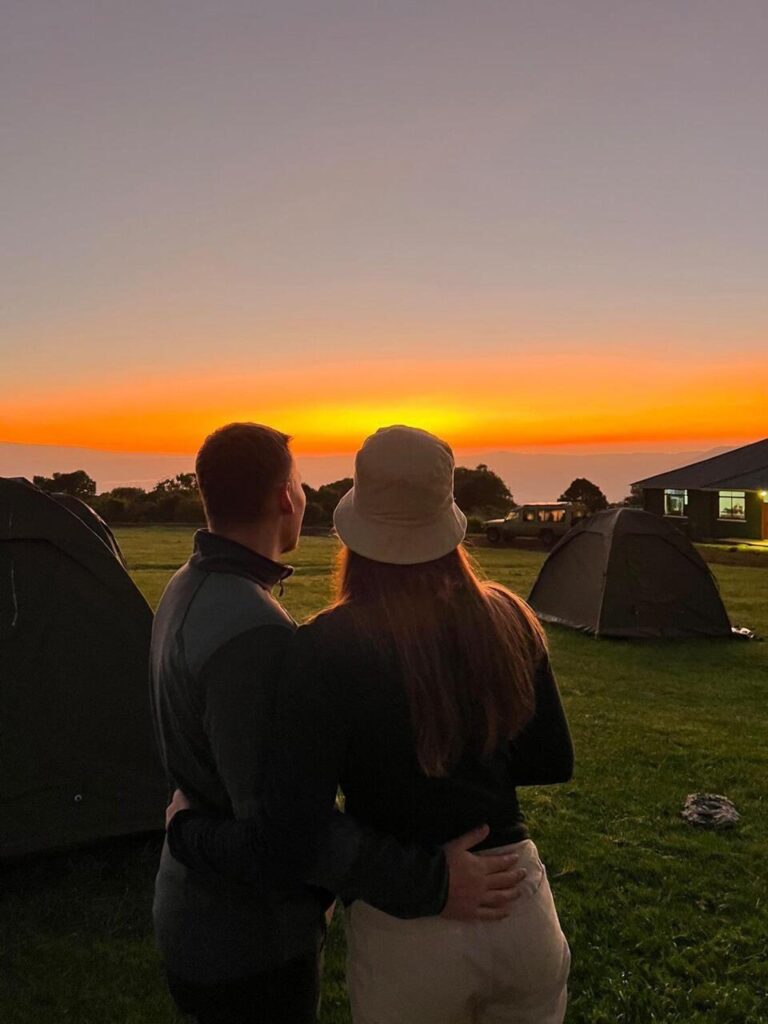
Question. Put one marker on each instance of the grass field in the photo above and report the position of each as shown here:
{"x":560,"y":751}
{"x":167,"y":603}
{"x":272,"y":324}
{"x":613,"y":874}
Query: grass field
{"x":666,"y":924}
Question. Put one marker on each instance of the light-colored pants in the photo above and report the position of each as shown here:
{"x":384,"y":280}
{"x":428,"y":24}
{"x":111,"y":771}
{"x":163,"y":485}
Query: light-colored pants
{"x":433,"y":971}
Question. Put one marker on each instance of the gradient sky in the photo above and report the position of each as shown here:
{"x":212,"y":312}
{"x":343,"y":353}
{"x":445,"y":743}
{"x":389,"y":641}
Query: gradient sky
{"x":533,"y":223}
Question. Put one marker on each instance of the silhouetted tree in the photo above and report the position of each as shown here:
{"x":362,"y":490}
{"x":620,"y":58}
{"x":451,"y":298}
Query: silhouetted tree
{"x":182,"y":483}
{"x":176,"y":500}
{"x":125,"y":493}
{"x":329,"y":495}
{"x":77,"y":483}
{"x":481,"y":490}
{"x":314,"y":513}
{"x":587,"y":493}
{"x":120,"y":505}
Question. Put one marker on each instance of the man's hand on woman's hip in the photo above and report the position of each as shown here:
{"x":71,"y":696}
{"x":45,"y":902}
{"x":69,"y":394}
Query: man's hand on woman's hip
{"x":479,"y":888}
{"x":179,"y":802}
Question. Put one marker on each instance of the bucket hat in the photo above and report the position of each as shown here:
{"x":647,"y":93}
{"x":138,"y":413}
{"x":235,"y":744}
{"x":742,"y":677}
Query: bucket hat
{"x":401,"y":508}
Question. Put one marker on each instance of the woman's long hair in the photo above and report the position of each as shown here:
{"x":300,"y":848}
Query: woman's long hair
{"x":466,"y":649}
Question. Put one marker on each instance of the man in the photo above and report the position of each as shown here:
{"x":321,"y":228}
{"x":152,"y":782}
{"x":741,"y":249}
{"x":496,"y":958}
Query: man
{"x":237,"y":952}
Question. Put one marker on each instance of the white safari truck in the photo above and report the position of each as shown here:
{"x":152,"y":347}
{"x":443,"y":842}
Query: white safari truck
{"x":546,"y":521}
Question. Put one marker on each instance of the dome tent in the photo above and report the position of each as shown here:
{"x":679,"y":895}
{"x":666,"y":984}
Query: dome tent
{"x":92,"y":520}
{"x":628,"y":573}
{"x":77,"y":754}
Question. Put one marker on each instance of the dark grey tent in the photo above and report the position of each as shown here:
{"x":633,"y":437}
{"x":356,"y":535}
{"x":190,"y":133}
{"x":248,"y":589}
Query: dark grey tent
{"x":92,"y":520}
{"x":628,"y":573}
{"x":77,"y":753}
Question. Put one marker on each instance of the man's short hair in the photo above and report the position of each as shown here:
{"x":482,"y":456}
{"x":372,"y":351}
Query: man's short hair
{"x":238,"y":467}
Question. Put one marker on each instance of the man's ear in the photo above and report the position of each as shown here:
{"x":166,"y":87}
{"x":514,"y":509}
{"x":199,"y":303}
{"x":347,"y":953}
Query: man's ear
{"x":285,"y":501}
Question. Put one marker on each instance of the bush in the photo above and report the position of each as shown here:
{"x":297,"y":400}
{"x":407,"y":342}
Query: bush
{"x":316,"y":515}
{"x":475,"y":524}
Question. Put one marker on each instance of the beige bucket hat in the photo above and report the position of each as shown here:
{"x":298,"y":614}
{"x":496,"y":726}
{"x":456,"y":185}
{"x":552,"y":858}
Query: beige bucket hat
{"x":401,"y":508}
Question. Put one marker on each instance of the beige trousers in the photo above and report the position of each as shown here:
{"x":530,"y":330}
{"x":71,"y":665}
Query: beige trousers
{"x":433,"y":971}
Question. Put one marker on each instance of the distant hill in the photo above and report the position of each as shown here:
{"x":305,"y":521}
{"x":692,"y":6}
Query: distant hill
{"x":531,"y":476}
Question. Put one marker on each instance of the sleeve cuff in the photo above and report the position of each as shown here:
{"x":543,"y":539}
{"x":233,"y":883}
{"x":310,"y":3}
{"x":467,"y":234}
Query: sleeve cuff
{"x":176,"y":833}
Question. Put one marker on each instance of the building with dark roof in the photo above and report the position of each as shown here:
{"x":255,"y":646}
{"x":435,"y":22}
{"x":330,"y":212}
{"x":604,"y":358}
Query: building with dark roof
{"x":725,"y":496}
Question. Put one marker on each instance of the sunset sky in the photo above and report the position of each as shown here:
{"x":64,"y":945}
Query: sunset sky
{"x":519,"y":224}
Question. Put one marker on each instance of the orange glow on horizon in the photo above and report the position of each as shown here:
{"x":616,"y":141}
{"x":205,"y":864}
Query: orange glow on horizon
{"x":500,"y":402}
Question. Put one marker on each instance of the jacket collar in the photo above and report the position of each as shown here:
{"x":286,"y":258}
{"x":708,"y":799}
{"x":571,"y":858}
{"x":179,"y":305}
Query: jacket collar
{"x":214,"y":553}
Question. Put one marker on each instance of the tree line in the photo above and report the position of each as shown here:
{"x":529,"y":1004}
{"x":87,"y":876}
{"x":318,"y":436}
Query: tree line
{"x":480,"y":494}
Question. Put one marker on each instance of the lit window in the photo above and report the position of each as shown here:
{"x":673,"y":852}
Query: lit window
{"x":529,"y":516}
{"x":513,"y":516}
{"x":732,"y":505}
{"x":558,"y":515}
{"x":545,"y":516}
{"x":675,"y":503}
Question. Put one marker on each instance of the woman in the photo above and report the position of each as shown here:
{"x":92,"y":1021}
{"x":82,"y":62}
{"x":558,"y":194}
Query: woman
{"x":427,"y":696}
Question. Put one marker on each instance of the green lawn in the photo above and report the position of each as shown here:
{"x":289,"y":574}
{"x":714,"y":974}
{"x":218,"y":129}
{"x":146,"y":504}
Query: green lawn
{"x":666,"y":924}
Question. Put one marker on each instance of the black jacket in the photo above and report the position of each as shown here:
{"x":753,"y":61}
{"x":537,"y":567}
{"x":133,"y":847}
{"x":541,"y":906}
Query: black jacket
{"x":218,"y":645}
{"x":343,"y":719}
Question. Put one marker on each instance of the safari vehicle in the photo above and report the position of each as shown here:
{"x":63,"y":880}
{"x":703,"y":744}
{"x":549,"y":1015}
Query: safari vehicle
{"x":546,"y":521}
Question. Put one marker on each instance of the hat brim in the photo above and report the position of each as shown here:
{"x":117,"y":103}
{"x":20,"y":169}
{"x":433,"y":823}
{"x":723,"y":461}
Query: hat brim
{"x":398,"y":544}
